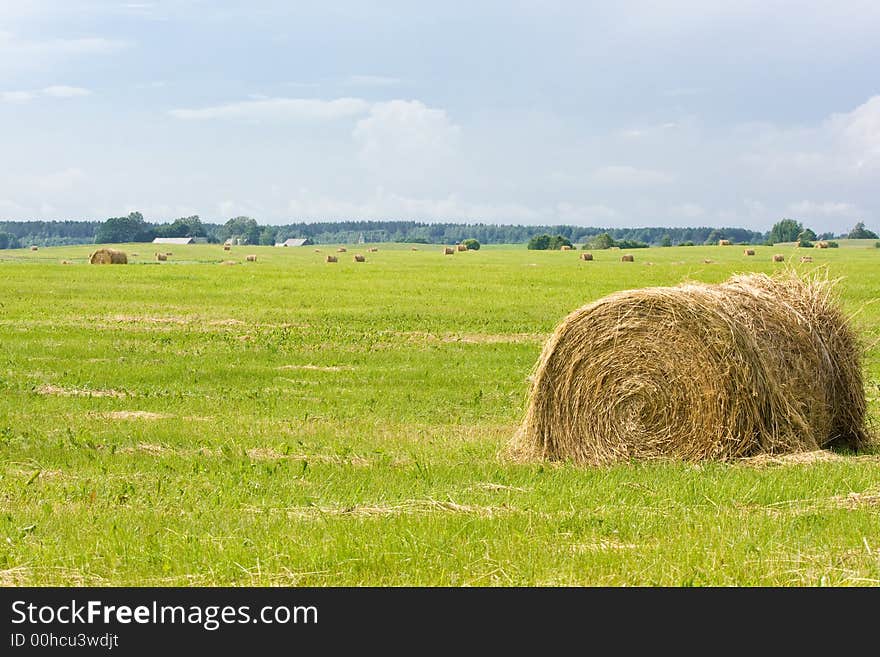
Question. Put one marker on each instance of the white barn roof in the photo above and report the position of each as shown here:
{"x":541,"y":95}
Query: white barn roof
{"x":293,"y":242}
{"x":173,"y":240}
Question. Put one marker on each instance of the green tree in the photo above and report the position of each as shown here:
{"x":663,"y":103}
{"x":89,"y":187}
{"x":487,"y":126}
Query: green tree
{"x":600,"y":242}
{"x":786,"y":230}
{"x":666,"y":240}
{"x":539,"y":242}
{"x":471,"y":244}
{"x":8,"y":241}
{"x":859,"y":232}
{"x":242,"y":228}
{"x":559,"y":241}
{"x":267,"y":236}
{"x":132,"y":228}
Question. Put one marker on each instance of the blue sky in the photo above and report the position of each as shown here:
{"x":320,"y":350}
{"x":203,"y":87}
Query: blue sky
{"x":615,"y":114}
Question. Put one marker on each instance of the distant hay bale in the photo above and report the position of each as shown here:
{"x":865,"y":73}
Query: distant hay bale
{"x":723,"y":242}
{"x":168,"y":253}
{"x":161,"y":257}
{"x":251,"y":257}
{"x":754,"y":365}
{"x":317,"y":250}
{"x":586,"y":256}
{"x":627,"y":258}
{"x":460,"y":247}
{"x":35,"y":248}
{"x":749,"y":252}
{"x":413,"y":248}
{"x":372,"y":249}
{"x":66,"y":262}
{"x":330,"y":258}
{"x":707,"y":261}
{"x":821,"y":245}
{"x":448,"y":250}
{"x":229,"y":262}
{"x":806,"y":258}
{"x":778,"y":257}
{"x":564,"y":247}
{"x":341,"y":249}
{"x":226,"y":247}
{"x":108,"y":257}
{"x":359,"y":258}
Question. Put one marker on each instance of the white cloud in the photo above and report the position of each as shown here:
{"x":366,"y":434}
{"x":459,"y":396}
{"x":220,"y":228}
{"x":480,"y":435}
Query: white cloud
{"x":629,"y":176}
{"x":404,"y":140}
{"x":63,"y":91}
{"x":687,"y":210}
{"x":16,"y":96}
{"x":809,"y":209}
{"x":11,"y":46}
{"x":277,"y":109}
{"x":584,"y":215}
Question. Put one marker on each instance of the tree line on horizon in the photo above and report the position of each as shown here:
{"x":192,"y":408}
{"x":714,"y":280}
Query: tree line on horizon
{"x":134,"y":228}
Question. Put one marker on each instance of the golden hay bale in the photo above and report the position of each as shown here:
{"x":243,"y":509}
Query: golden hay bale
{"x":35,"y":248}
{"x":707,"y":261}
{"x":317,"y":250}
{"x":806,"y":258}
{"x":359,"y":258}
{"x":448,"y":250}
{"x":460,"y":247}
{"x":586,"y":256}
{"x":160,"y":257}
{"x":413,"y":248}
{"x":341,"y":249}
{"x":66,"y":262}
{"x":251,"y":257}
{"x":565,"y":247}
{"x":627,"y":258}
{"x":756,"y":364}
{"x":373,"y":249}
{"x":330,"y":258}
{"x":749,"y":252}
{"x":723,"y":242}
{"x":778,"y":257}
{"x":821,"y":245}
{"x":226,"y":247}
{"x":108,"y":257}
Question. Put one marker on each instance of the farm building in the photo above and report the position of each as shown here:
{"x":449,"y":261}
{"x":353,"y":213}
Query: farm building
{"x":174,"y":240}
{"x":299,"y":241}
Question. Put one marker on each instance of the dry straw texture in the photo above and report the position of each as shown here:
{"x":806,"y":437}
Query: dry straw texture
{"x":251,"y":258}
{"x":330,"y":258}
{"x":108,"y":257}
{"x":627,"y":258}
{"x":806,"y":258}
{"x":160,"y":257}
{"x":755,"y":365}
{"x":586,"y":256}
{"x":778,"y":258}
{"x":359,"y":258}
{"x":723,"y":242}
{"x":448,"y":250}
{"x":749,"y":252}
{"x":821,"y":245}
{"x":341,"y":249}
{"x":460,"y":247}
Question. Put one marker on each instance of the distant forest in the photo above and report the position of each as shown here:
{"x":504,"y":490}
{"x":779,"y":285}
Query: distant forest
{"x":133,"y":228}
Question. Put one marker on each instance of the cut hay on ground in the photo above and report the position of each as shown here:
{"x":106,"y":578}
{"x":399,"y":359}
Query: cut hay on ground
{"x":754,"y":365}
{"x":565,"y":247}
{"x":229,"y":262}
{"x":821,"y":245}
{"x":586,"y":256}
{"x":460,"y":247}
{"x":330,"y":258}
{"x":806,"y":258}
{"x":341,"y":249}
{"x":359,"y":258}
{"x":161,"y":257}
{"x":251,"y":257}
{"x":414,"y":248}
{"x":723,"y":242}
{"x":627,"y":258}
{"x":778,"y":257}
{"x":372,"y":249}
{"x":108,"y":257}
{"x":448,"y":250}
{"x":749,"y":252}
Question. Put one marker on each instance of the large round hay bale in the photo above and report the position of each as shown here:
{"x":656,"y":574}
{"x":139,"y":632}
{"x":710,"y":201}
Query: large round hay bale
{"x":586,"y":256}
{"x":108,"y":257}
{"x":723,"y":242}
{"x":757,"y":364}
{"x":627,"y":258}
{"x":564,"y":247}
{"x":341,"y":249}
{"x":749,"y":252}
{"x":359,"y":258}
{"x":161,"y":257}
{"x":251,"y":257}
{"x":778,"y":257}
{"x":460,"y":247}
{"x":330,"y":258}
{"x":448,"y":250}
{"x":35,"y":248}
{"x":821,"y":245}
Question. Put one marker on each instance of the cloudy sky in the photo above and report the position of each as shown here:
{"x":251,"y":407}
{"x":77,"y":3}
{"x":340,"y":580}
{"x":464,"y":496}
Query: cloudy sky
{"x":682,"y":112}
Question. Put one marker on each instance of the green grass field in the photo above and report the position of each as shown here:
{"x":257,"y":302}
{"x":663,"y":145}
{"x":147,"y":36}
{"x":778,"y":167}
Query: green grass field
{"x":292,"y":422}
